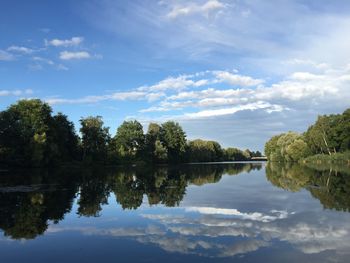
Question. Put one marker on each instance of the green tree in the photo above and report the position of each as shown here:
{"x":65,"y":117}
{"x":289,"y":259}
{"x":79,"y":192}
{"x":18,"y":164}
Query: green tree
{"x":234,"y":154}
{"x":129,"y":140}
{"x":321,"y":137}
{"x":26,"y":133}
{"x":174,"y":139}
{"x":154,"y":150}
{"x":297,"y":150}
{"x":95,"y":138}
{"x":204,"y":151}
{"x":272,"y":149}
{"x":160,"y":153}
{"x":66,"y":138}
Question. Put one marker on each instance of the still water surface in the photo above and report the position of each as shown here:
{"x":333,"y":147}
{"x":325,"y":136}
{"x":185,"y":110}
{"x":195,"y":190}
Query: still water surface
{"x":238,"y":212}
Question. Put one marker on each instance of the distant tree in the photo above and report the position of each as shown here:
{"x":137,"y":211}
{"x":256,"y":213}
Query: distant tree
{"x":204,"y":151}
{"x":129,"y":139}
{"x":234,"y":154}
{"x":95,"y":138}
{"x":154,"y":150}
{"x":255,"y":154}
{"x":174,"y":139}
{"x":66,"y":138}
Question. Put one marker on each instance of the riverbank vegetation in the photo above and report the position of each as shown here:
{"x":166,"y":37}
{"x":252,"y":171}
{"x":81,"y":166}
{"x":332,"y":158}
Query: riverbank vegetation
{"x":30,"y":135}
{"x":326,"y":141}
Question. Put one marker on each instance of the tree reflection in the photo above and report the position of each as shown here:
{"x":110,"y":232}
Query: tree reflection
{"x":26,"y":208}
{"x":329,"y":184}
{"x":30,"y":200}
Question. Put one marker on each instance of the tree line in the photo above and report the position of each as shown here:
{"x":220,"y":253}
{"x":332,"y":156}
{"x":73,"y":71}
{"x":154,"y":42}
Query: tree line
{"x":327,"y":139}
{"x":30,"y":135}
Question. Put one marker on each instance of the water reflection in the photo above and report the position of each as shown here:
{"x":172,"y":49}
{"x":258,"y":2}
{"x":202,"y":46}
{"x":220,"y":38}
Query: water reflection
{"x":196,"y":213}
{"x":329,"y":184}
{"x":28,"y":199}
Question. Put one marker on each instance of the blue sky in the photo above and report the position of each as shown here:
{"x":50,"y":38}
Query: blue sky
{"x":235,"y":71}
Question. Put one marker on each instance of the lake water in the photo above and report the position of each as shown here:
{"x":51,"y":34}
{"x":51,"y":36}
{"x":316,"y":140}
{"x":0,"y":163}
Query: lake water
{"x":233,"y":212}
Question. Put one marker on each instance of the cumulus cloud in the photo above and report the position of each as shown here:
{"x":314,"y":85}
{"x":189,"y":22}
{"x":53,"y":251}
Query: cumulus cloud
{"x":74,"y":41}
{"x":68,"y":55}
{"x":191,"y":8}
{"x":173,"y":83}
{"x":18,"y":49}
{"x":235,"y":79}
{"x":211,"y":94}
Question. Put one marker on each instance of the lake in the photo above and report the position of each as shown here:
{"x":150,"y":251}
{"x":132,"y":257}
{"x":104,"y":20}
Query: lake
{"x":227,"y":212}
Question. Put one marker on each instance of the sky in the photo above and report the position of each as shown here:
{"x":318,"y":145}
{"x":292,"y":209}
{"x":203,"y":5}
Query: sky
{"x":237,"y":72}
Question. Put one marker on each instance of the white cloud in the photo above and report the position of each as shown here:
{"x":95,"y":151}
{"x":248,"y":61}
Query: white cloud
{"x":41,"y":63}
{"x":193,"y":8}
{"x":235,"y":79}
{"x":68,"y":55}
{"x":23,"y":50}
{"x":74,"y":41}
{"x":173,"y":83}
{"x":226,"y":111}
{"x":255,"y":216}
{"x":6,"y":56}
{"x":16,"y":93}
{"x":116,"y":96}
{"x":210,"y":94}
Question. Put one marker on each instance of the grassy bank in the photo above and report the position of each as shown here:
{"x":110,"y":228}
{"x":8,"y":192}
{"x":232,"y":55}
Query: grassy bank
{"x":337,"y":158}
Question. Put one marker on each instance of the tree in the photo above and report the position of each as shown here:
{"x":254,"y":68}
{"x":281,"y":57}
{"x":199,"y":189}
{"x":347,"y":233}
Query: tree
{"x":174,"y":139}
{"x":342,"y":131}
{"x":95,"y":138}
{"x":26,"y":133}
{"x":160,"y":153}
{"x":297,"y":150}
{"x":272,"y":150}
{"x":288,"y":147}
{"x":204,"y":151}
{"x":154,"y":150}
{"x":129,"y":139}
{"x":66,"y":138}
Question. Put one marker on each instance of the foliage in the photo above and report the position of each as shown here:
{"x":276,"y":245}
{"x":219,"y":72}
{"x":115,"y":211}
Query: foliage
{"x":173,"y":138}
{"x":129,"y":140}
{"x":328,"y":136}
{"x":329,"y":185}
{"x":31,"y":136}
{"x":326,"y":158}
{"x":95,"y":138}
{"x":204,"y":151}
{"x":234,"y":154}
{"x":154,"y":150}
